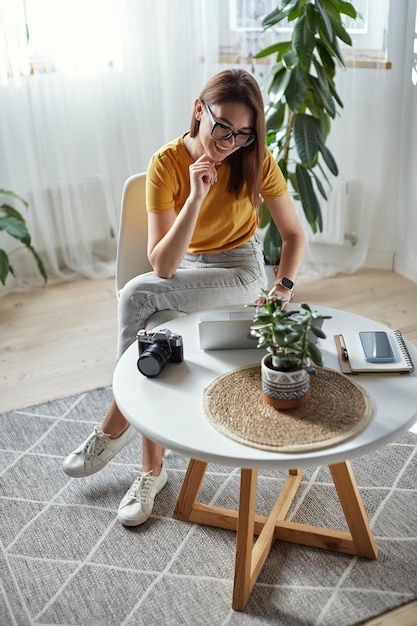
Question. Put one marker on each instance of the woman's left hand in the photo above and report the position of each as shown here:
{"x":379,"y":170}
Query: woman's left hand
{"x":280,"y":292}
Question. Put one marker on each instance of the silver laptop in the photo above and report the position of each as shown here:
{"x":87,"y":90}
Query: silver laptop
{"x":221,"y":329}
{"x":229,"y":329}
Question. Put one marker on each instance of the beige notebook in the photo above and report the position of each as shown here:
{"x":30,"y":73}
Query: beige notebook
{"x":352,"y":358}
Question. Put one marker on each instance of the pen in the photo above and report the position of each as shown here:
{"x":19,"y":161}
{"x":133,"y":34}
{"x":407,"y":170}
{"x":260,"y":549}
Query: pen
{"x":343,"y":350}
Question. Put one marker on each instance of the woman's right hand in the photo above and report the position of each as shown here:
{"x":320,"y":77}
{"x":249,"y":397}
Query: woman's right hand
{"x":203,"y":175}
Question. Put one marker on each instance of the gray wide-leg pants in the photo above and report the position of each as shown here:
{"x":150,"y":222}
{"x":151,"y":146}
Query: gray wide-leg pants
{"x":203,"y":281}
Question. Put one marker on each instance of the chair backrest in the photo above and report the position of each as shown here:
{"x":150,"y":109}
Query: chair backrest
{"x":132,"y":256}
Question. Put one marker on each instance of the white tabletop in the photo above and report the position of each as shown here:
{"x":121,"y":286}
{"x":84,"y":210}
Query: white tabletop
{"x":168,"y":409}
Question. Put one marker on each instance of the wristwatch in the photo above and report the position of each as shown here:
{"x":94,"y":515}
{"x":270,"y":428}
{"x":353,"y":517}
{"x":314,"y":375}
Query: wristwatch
{"x":287,"y":284}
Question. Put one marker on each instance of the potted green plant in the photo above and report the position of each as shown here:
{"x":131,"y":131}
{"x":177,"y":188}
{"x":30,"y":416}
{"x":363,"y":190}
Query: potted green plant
{"x":289,"y":337}
{"x":302,"y":102}
{"x":14,"y":224}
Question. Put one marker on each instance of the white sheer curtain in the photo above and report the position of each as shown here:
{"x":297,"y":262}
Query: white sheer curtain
{"x":360,"y":191}
{"x":72,"y":132}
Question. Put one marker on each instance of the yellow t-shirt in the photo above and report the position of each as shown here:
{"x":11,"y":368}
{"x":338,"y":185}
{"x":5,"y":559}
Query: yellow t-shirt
{"x":224,"y":221}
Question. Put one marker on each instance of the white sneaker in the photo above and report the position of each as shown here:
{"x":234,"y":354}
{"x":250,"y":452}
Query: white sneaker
{"x":136,"y":506}
{"x":96,"y":451}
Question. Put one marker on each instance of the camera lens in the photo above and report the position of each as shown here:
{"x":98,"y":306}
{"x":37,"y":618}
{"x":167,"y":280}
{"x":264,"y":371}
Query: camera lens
{"x":153,"y":359}
{"x":150,"y":365}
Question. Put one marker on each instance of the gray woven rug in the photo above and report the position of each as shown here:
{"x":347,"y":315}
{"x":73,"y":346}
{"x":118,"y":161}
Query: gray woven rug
{"x":66,"y":560}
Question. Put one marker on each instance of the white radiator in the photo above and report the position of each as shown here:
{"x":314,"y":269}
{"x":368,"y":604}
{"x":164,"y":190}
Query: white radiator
{"x":57,"y":202}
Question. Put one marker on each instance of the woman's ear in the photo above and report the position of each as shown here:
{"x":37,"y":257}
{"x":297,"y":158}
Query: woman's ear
{"x":198,"y":109}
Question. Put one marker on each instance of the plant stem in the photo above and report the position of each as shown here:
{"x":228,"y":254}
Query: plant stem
{"x":289,"y":133}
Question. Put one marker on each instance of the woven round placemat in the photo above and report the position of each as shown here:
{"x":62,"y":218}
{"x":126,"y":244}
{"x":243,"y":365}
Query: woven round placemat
{"x":338,"y":409}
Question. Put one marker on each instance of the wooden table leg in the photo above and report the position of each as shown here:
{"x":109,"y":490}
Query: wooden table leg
{"x":244,"y":538}
{"x":190,"y":489}
{"x":251,"y":556}
{"x":354,"y":510}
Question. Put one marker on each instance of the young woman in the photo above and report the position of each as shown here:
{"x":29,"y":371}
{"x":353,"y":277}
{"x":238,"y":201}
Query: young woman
{"x":203,"y":198}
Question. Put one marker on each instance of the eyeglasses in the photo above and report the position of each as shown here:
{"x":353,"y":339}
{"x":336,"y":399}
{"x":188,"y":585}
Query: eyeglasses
{"x":224,"y":133}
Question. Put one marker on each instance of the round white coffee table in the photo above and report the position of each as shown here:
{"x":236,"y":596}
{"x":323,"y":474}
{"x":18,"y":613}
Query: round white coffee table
{"x":168,"y":409}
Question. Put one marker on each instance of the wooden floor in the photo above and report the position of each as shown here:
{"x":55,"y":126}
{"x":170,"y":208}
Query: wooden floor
{"x":61,"y":340}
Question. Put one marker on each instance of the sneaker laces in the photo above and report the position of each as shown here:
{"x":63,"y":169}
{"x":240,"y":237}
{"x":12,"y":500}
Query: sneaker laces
{"x":96,"y":441}
{"x":141,"y":486}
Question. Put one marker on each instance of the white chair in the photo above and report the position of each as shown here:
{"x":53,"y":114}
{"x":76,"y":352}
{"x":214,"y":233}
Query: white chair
{"x":132,"y":256}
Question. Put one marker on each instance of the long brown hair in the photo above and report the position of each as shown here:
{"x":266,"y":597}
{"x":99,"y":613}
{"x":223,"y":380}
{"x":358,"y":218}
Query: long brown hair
{"x":236,"y":85}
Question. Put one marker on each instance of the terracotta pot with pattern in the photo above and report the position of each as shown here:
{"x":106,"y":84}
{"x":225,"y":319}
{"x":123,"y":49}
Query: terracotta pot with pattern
{"x":284,"y":390}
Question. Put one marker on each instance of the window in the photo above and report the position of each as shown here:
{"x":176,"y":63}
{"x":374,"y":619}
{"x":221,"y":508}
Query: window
{"x":368,"y":32}
{"x":83,"y":36}
{"x":247,"y":15}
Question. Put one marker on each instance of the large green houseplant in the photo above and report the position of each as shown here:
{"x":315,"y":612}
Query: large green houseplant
{"x":14,"y":224}
{"x":302,"y":102}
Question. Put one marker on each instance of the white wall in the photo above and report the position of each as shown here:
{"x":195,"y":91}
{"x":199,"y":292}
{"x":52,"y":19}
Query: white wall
{"x":406,"y":215}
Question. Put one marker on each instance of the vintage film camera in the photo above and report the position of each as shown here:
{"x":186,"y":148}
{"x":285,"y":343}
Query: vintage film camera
{"x":156,"y":348}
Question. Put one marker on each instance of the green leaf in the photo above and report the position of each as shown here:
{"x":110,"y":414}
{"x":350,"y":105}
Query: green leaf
{"x":298,"y":10}
{"x":326,"y":58}
{"x":272,"y":244}
{"x":329,"y":159}
{"x":306,"y":137}
{"x":344,"y":7}
{"x":335,"y":95}
{"x":315,"y":353}
{"x":4,"y":266}
{"x":296,"y":89}
{"x":283,"y":167}
{"x":278,"y":14}
{"x":340,"y":32}
{"x":324,"y":95}
{"x":15,"y":228}
{"x":334,"y":49}
{"x":313,"y":104}
{"x":292,"y":337}
{"x":279,"y":48}
{"x":11,"y":211}
{"x":338,"y":54}
{"x":303,"y":42}
{"x":319,"y":185}
{"x":279,"y":85}
{"x":313,"y":18}
{"x":266,"y":216}
{"x":13,"y":223}
{"x":318,"y":332}
{"x":290,"y":60}
{"x":323,"y":173}
{"x":293,"y":180}
{"x":325,"y":21}
{"x":39,"y":263}
{"x":274,"y":115}
{"x":12,"y":194}
{"x":325,"y":80}
{"x":308,"y":197}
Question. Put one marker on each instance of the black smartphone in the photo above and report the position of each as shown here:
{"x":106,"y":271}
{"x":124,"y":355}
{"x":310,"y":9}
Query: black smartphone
{"x":377,"y":346}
